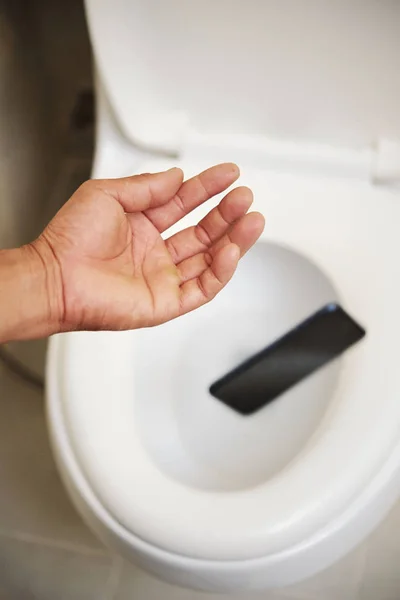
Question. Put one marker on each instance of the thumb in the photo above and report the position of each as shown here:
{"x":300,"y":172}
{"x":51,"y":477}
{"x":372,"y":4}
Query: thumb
{"x":140,"y":192}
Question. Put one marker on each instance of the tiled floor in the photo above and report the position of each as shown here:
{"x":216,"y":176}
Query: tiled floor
{"x":37,"y":571}
{"x":45,"y":550}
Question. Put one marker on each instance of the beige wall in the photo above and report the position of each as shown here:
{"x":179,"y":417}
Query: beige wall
{"x":24,"y":156}
{"x":44,"y":62}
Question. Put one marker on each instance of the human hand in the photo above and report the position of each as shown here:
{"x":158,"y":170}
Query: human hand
{"x":109,"y":267}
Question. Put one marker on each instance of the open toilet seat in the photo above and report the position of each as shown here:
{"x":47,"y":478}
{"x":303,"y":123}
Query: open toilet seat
{"x":93,"y":394}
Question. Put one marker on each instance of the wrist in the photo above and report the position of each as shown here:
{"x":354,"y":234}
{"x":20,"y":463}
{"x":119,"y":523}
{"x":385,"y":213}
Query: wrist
{"x":30,"y":292}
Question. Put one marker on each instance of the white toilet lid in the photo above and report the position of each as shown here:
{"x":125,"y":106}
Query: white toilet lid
{"x":351,"y":230}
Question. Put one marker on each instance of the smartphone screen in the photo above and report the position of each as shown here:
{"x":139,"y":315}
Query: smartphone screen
{"x":310,"y":345}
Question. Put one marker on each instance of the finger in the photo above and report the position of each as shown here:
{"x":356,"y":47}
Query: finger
{"x":192,"y":193}
{"x":202,"y":289}
{"x":197,"y":239}
{"x":141,"y":192}
{"x":243,"y":234}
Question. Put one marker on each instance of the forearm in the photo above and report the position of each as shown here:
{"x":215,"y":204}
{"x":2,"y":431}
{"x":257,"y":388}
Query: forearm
{"x":30,"y":306}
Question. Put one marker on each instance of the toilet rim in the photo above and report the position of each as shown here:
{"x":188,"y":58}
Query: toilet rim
{"x":206,"y":525}
{"x":374,"y":500}
{"x":309,"y":555}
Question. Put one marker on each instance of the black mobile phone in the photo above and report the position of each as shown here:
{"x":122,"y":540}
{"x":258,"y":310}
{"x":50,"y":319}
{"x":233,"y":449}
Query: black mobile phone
{"x":320,"y":338}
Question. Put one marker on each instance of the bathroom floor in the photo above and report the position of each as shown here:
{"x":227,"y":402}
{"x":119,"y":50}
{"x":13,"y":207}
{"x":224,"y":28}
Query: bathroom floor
{"x":46,"y":552}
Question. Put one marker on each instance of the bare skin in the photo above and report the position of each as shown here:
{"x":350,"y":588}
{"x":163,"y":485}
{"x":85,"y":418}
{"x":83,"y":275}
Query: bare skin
{"x":101,"y":263}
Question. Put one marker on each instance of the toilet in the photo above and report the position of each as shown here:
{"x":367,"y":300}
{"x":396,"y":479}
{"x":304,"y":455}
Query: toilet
{"x":304,"y":97}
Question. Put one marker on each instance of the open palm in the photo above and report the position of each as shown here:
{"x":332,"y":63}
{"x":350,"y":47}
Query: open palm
{"x":115,"y":269}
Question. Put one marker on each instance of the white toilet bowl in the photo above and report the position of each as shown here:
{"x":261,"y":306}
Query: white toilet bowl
{"x":164,"y":472}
